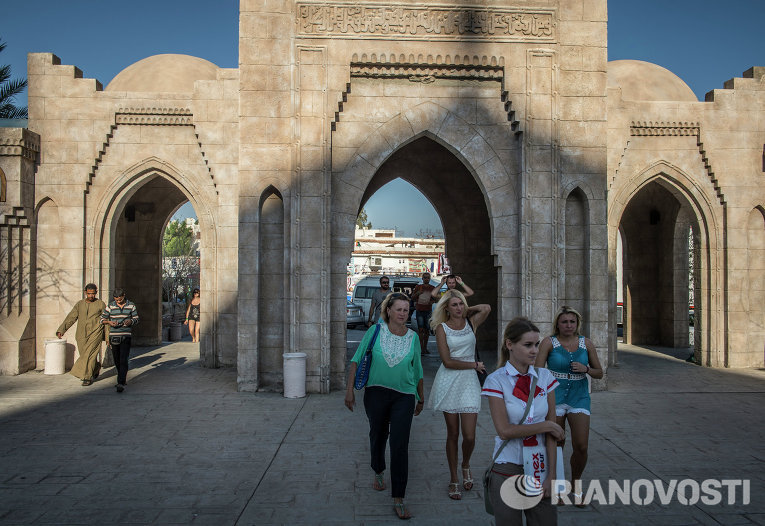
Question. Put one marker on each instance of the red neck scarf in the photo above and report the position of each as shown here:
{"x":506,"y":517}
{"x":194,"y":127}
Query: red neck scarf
{"x":521,"y":390}
{"x":522,"y":386}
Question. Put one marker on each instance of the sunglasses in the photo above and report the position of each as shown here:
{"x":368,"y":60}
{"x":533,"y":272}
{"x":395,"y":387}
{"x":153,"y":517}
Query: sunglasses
{"x":399,"y":296}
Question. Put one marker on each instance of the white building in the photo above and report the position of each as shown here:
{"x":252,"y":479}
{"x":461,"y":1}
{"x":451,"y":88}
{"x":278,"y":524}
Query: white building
{"x":379,"y":251}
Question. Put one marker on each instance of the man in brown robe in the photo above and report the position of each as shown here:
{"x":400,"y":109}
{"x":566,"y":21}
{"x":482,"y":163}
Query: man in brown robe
{"x":89,"y":335}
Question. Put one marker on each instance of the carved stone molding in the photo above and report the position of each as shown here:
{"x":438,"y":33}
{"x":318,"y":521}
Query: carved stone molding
{"x":649,"y":128}
{"x":155,"y":116}
{"x":26,"y":145}
{"x":417,"y":70}
{"x":424,"y":22}
{"x":16,"y":218}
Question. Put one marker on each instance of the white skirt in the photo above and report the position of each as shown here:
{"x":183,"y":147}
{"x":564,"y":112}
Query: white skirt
{"x":455,"y":391}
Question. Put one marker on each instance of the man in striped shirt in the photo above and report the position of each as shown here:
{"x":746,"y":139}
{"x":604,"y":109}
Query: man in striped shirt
{"x":121,"y":316}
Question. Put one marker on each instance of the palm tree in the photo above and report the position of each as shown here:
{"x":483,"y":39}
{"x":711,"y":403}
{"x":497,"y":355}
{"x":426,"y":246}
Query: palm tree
{"x":9,"y":88}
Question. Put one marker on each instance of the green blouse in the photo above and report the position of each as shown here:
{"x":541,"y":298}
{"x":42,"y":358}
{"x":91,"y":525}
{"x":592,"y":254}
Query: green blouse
{"x":395,"y":360}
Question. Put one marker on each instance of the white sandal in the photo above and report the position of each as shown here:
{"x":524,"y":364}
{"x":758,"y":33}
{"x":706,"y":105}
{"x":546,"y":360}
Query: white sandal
{"x":454,"y":491}
{"x":467,"y":479}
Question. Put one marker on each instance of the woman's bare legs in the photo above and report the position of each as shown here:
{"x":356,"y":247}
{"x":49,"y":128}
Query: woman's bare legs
{"x":193,"y":330}
{"x":452,"y":440}
{"x":580,"y":435}
{"x":468,"y":421}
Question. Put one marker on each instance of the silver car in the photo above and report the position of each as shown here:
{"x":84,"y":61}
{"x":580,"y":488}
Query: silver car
{"x":354,"y":315}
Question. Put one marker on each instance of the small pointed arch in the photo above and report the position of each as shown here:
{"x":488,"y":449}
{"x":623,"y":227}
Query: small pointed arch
{"x":575,"y":286}
{"x":51,"y":282}
{"x":272,"y":284}
{"x":3,"y":186}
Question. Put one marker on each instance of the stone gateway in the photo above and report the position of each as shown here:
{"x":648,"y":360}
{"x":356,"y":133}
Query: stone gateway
{"x":540,"y":157}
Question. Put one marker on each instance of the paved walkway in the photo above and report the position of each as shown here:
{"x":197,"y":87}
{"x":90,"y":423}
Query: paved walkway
{"x":182,"y":446}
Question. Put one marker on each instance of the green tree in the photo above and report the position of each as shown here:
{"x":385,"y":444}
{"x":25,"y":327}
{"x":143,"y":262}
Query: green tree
{"x":180,"y":262}
{"x":9,"y":88}
{"x":178,"y":240}
{"x":362,"y":221}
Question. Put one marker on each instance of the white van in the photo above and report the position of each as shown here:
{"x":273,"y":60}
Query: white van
{"x":364,"y":289}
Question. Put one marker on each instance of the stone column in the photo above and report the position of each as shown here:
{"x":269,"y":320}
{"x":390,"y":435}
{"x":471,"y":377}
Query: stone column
{"x":19,"y":151}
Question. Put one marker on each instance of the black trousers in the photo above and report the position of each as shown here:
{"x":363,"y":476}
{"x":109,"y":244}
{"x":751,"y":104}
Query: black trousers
{"x":390,"y":414}
{"x":121,"y":354}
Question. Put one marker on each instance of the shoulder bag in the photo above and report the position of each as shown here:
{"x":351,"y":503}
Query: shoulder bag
{"x":487,"y":474}
{"x":362,"y":371}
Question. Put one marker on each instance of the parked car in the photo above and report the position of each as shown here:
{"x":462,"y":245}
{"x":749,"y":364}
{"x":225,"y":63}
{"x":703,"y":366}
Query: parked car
{"x":354,"y":315}
{"x":364,"y":289}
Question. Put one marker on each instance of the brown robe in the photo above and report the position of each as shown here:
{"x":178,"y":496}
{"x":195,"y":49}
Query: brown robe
{"x":89,"y":335}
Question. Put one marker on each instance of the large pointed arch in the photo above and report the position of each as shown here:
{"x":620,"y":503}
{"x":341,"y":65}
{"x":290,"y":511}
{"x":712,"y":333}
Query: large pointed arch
{"x":708,"y":215}
{"x":101,"y":226}
{"x":493,"y":173}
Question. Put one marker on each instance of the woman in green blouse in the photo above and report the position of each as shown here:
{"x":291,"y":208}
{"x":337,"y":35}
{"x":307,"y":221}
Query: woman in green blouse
{"x":392,"y":396}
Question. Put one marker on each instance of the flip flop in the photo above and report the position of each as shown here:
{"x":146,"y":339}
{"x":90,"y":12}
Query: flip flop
{"x":401,"y":511}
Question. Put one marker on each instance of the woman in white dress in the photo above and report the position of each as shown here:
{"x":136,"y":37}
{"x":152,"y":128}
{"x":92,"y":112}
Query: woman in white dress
{"x":456,"y":390}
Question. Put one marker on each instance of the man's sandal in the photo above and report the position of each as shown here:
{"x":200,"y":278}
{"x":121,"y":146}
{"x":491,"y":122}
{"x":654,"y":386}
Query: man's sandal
{"x":401,"y":511}
{"x":467,"y":477}
{"x":379,"y":483}
{"x":454,"y":491}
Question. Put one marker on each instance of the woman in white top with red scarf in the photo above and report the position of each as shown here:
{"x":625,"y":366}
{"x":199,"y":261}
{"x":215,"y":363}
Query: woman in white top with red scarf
{"x":508,"y":391}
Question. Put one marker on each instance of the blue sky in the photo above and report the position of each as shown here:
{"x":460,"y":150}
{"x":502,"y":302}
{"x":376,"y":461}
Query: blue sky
{"x":704,"y":42}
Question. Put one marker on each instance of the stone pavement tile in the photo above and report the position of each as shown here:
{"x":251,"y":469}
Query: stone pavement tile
{"x":10,"y":515}
{"x":203,"y":453}
{"x":139,"y":516}
{"x":95,"y":513}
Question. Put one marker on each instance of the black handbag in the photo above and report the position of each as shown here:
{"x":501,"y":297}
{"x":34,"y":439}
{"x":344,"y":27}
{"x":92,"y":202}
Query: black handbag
{"x":362,"y":371}
{"x":481,"y":375}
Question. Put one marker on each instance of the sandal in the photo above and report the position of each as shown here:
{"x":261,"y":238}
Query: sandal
{"x":454,"y":491}
{"x":579,"y":500}
{"x":401,"y":511}
{"x":467,"y":477}
{"x":379,"y":483}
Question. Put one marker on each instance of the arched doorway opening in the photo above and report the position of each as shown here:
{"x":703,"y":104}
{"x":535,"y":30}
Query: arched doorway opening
{"x":661,"y":269}
{"x":459,"y":202}
{"x":137,"y":252}
{"x":180,"y":257}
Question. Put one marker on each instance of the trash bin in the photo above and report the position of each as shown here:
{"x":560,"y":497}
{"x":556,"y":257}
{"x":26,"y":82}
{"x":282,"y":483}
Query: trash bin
{"x":55,"y":356}
{"x":176,"y":332}
{"x":294,"y":374}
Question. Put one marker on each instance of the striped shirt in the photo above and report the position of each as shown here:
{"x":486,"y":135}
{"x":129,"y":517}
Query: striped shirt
{"x":113,"y":312}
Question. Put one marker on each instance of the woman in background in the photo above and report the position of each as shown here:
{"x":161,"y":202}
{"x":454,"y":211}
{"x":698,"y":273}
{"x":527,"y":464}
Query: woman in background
{"x":571,"y":357}
{"x":193,"y":314}
{"x":456,"y":390}
{"x":392,"y":396}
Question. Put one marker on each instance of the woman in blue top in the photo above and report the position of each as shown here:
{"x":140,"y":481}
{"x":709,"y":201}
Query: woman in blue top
{"x":571,"y":357}
{"x":392,"y":396}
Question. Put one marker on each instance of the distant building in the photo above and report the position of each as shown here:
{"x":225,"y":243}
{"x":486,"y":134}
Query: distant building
{"x":379,"y":251}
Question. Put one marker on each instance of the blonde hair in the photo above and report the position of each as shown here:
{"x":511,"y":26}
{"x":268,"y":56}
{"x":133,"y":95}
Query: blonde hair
{"x":389,"y":299}
{"x":440,"y":315}
{"x":567,"y":310}
{"x":514,"y":330}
